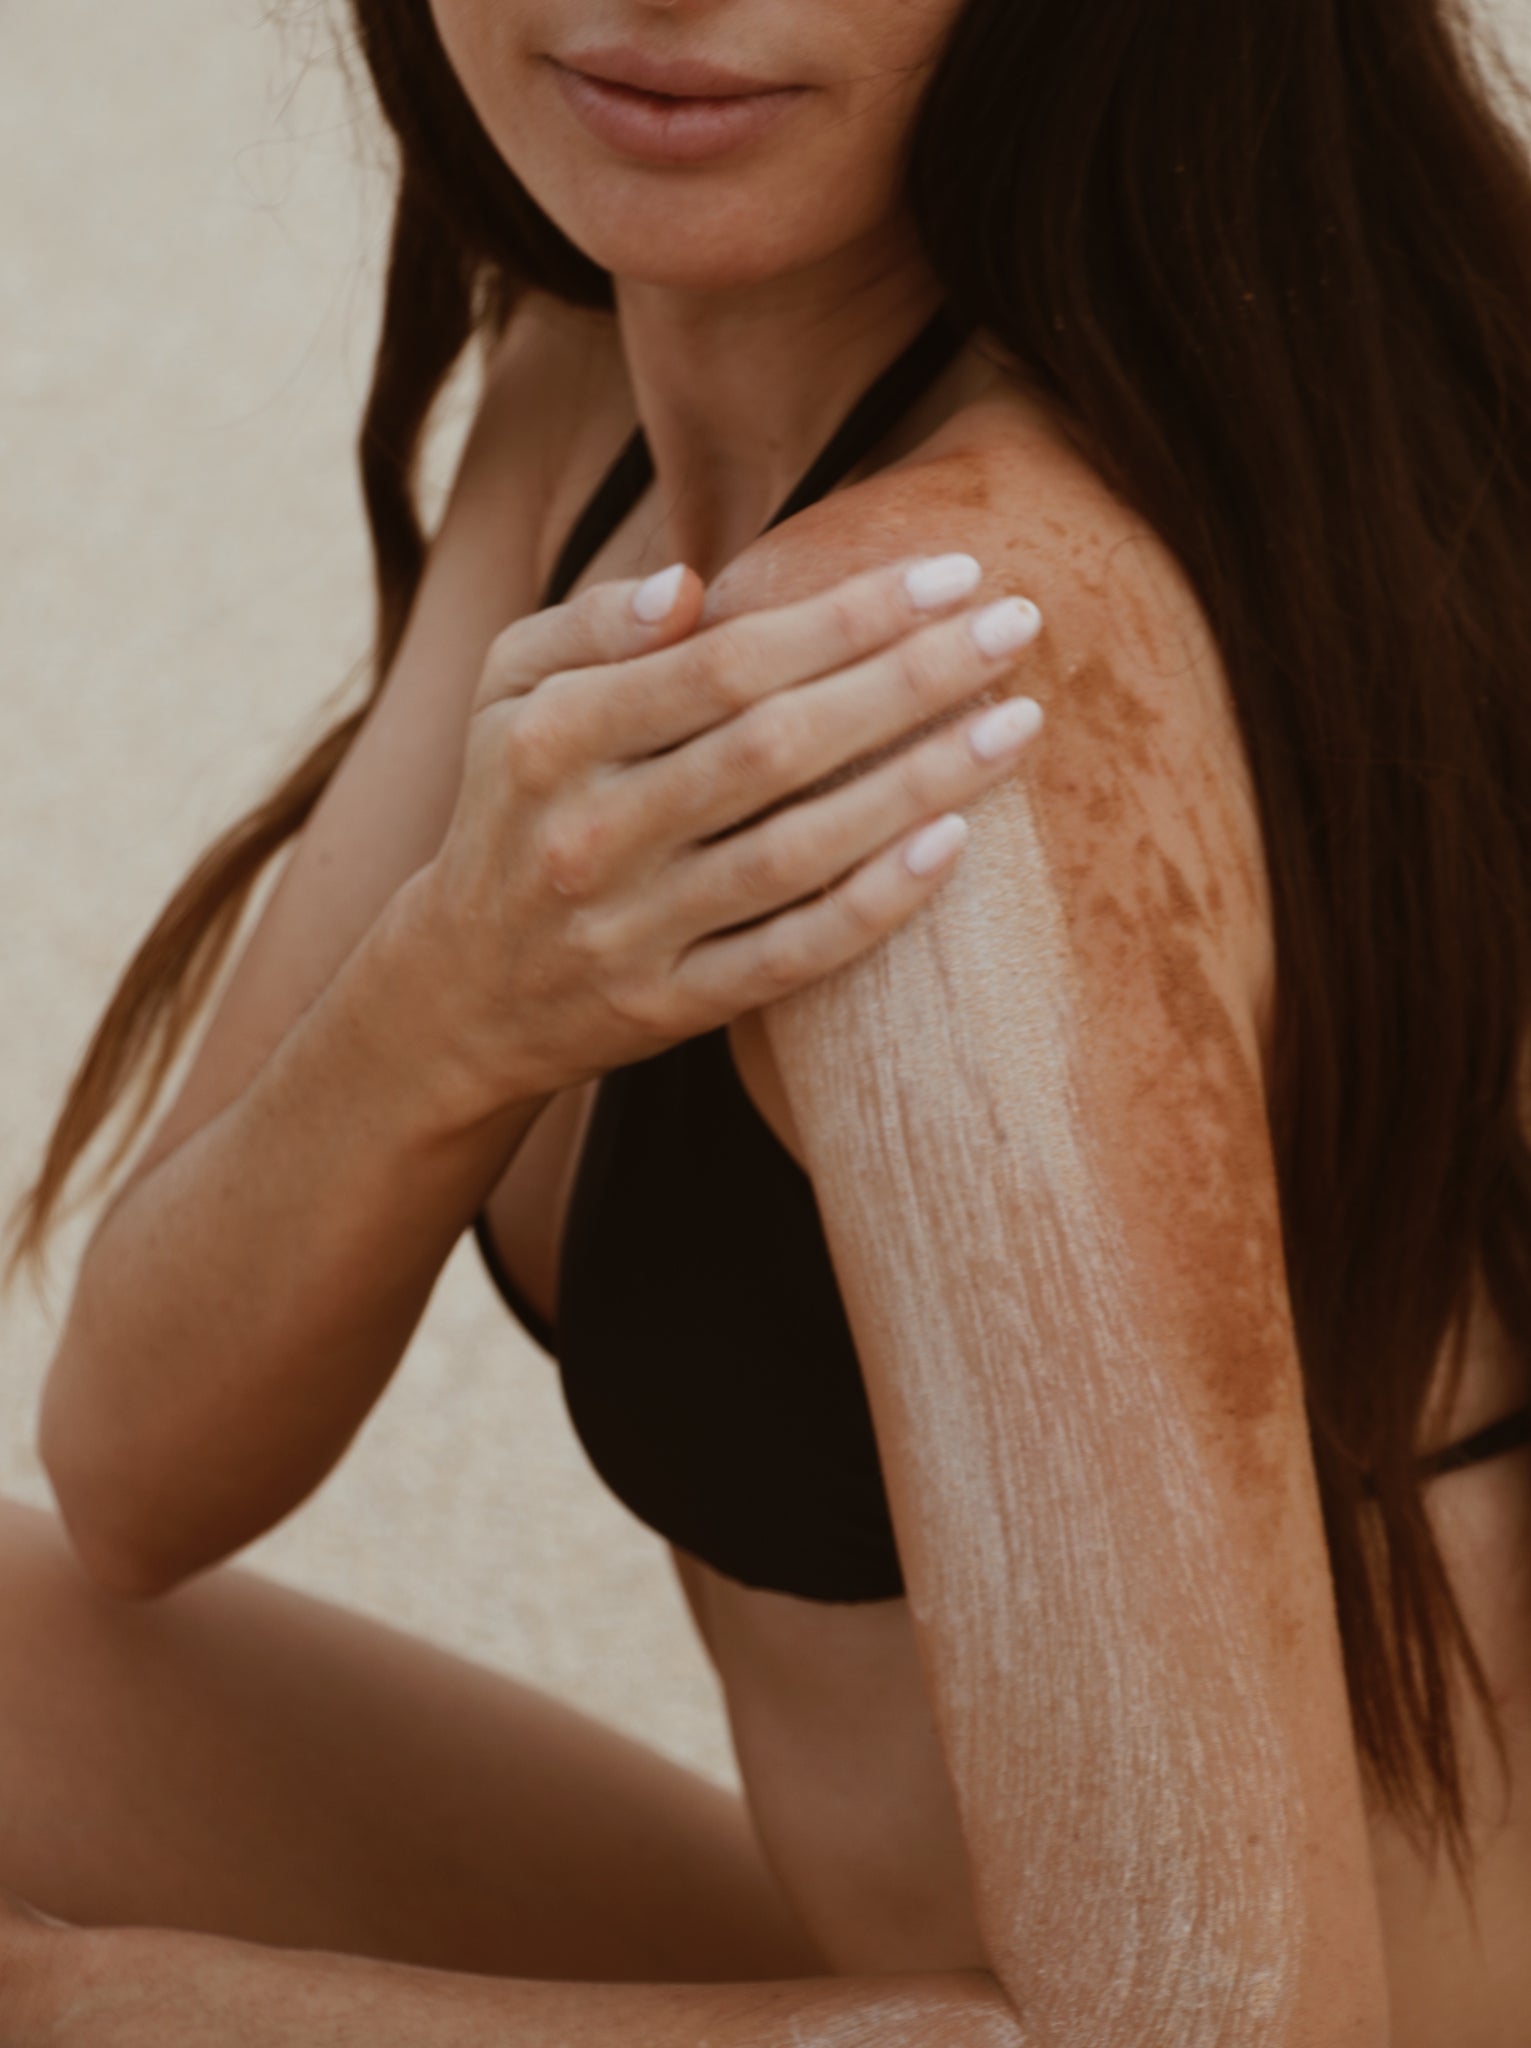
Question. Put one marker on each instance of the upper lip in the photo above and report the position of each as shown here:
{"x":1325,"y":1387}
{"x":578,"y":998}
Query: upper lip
{"x":681,"y":77}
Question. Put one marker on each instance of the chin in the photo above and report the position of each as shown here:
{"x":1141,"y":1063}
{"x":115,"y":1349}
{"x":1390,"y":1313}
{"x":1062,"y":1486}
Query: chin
{"x":719,"y":226}
{"x":704,"y":241}
{"x":702,"y":263}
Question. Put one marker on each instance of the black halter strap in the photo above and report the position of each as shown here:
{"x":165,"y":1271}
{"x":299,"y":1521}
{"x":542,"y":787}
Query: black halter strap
{"x":1510,"y":1433}
{"x":885,"y":401}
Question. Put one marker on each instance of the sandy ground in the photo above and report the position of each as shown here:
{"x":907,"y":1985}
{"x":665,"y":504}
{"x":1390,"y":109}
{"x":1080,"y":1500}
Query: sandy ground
{"x":191,"y":220}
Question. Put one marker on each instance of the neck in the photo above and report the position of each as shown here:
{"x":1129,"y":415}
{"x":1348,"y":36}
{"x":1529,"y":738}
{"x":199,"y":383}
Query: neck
{"x":738,"y":391}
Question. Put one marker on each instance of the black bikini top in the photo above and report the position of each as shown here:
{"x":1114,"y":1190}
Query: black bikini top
{"x":707,"y":1363}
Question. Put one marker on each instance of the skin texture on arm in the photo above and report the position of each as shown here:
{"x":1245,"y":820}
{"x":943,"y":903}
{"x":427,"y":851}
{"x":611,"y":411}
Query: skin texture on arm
{"x":1034,"y":1119}
{"x":140,"y":1989}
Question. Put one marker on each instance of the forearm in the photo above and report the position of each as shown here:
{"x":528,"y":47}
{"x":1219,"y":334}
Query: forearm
{"x":240,"y":1309}
{"x":145,"y":1989}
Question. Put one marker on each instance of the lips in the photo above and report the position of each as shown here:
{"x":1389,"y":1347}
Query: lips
{"x":670,"y":77}
{"x":672,"y":129}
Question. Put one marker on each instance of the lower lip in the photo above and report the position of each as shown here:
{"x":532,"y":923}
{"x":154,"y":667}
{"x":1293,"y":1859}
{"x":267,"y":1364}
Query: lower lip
{"x":671,"y":131}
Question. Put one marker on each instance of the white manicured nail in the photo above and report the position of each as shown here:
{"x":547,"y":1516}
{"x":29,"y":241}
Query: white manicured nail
{"x":927,"y":850}
{"x":941,"y":578}
{"x":1006,"y":727}
{"x":654,"y":599}
{"x":1002,"y":628}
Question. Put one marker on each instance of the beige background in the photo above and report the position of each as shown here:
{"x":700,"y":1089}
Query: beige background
{"x":191,"y":220}
{"x":191,"y":230}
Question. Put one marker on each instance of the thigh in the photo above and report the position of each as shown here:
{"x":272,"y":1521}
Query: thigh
{"x":239,"y":1759}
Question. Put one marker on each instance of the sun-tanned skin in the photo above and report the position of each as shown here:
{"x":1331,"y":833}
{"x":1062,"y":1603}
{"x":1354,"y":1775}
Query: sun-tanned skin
{"x":1092,"y":1780}
{"x":1145,"y":815}
{"x":1095,"y":1442}
{"x":1145,"y":760}
{"x":849,"y":1787}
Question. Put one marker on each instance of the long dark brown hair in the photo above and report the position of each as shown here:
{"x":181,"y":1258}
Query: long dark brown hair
{"x":1272,"y":266}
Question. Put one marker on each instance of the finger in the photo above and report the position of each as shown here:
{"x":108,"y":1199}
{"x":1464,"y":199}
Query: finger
{"x":606,"y":622}
{"x":742,"y":971}
{"x":809,"y":845}
{"x":655,"y":701}
{"x":790,"y":741}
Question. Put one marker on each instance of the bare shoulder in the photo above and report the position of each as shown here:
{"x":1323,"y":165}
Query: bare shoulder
{"x":1140,"y":783}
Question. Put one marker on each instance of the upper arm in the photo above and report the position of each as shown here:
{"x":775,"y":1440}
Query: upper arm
{"x":385,"y":810}
{"x":1034,"y":1118}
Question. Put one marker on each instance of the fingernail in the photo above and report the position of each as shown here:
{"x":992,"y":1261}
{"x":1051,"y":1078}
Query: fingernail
{"x":654,"y":599}
{"x":1002,"y":628}
{"x":1006,"y":727}
{"x":941,"y":578}
{"x":927,"y":850}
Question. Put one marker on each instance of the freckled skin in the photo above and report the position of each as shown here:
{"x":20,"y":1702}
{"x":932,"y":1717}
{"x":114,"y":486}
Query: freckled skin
{"x":1244,"y":1325}
{"x":1191,"y":1110}
{"x":1113,"y":1470}
{"x":1114,"y":730}
{"x":1117,"y":719}
{"x":1190,"y":1076}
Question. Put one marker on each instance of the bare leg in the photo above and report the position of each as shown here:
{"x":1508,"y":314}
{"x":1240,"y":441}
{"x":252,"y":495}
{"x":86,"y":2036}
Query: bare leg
{"x":242,"y":1760}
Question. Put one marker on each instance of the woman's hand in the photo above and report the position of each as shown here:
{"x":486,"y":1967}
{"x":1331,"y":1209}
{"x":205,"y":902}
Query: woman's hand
{"x":624,"y":867}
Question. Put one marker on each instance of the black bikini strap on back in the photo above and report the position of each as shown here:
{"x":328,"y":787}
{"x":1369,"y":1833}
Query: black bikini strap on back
{"x":880,"y":407}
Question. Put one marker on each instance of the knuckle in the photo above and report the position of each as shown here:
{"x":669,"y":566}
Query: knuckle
{"x":765,"y":746}
{"x":857,"y":913}
{"x":594,"y":946}
{"x":503,"y":647}
{"x":535,"y":745}
{"x":763,"y":867}
{"x":488,"y":737}
{"x":502,"y":674}
{"x":922,"y":671}
{"x":785,"y":961}
{"x":858,"y":614}
{"x":724,"y":670}
{"x":640,"y":1005}
{"x":693,"y":663}
{"x":921,"y":774}
{"x":573,"y":854}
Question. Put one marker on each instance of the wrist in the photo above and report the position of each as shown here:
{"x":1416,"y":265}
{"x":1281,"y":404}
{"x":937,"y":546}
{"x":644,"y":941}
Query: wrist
{"x":429,"y":1045}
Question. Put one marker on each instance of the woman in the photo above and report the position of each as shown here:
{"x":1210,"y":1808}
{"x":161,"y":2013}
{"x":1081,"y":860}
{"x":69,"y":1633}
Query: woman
{"x":1072,"y":1323}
